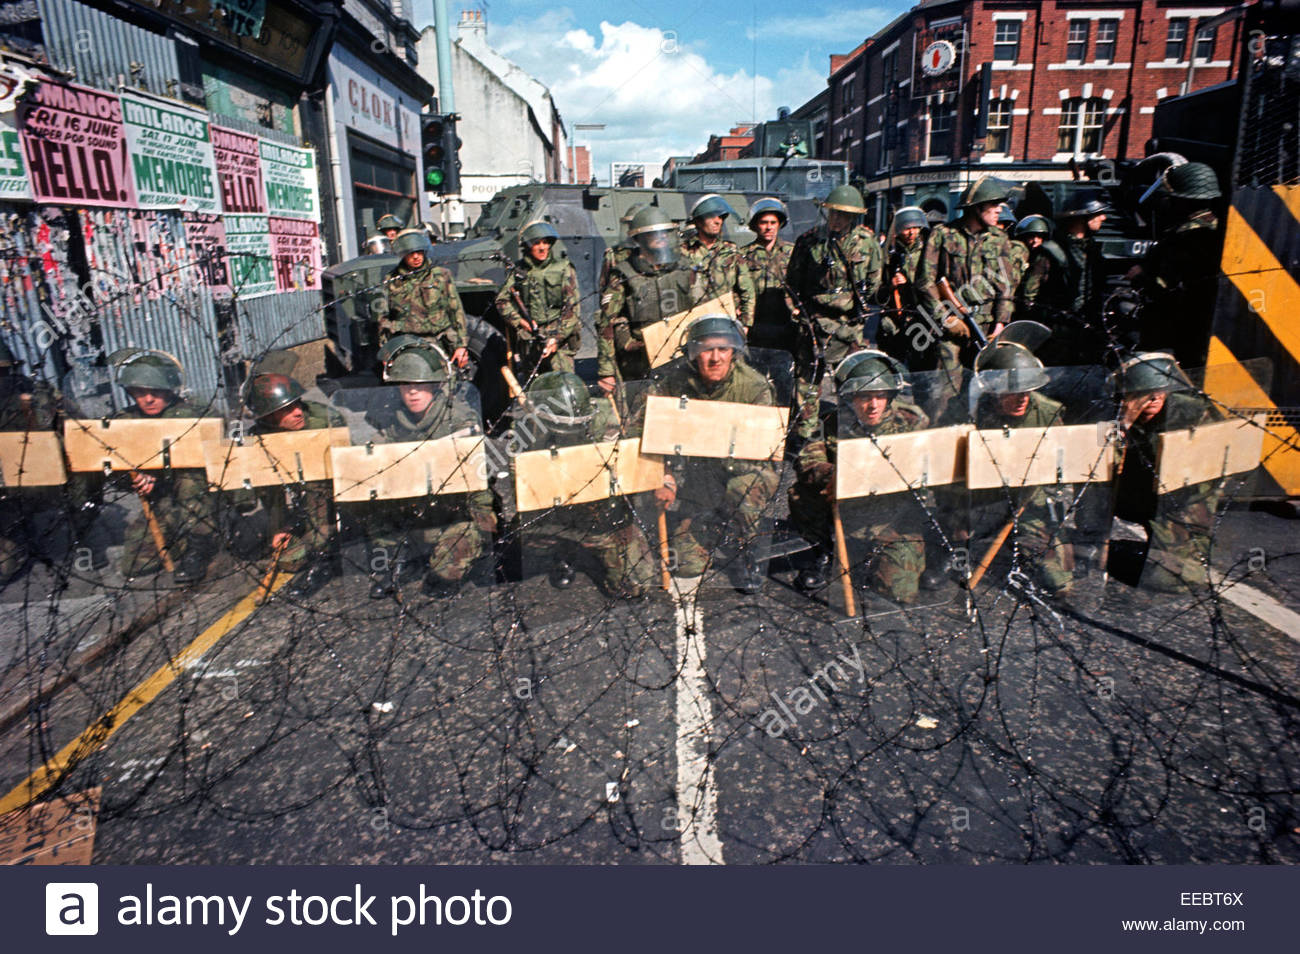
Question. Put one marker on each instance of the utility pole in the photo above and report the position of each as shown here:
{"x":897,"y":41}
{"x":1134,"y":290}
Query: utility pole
{"x":453,"y":209}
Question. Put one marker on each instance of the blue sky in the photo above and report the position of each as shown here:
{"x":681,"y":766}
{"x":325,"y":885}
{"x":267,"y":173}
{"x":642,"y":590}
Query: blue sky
{"x":664,"y":74}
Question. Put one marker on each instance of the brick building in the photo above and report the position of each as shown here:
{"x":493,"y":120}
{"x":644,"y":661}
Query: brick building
{"x":953,"y":89}
{"x":727,"y":146}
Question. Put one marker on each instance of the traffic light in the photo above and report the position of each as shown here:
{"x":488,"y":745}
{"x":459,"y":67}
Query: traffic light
{"x":439,"y":145}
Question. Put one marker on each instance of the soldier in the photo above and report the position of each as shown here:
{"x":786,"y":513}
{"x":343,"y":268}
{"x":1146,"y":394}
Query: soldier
{"x":456,"y":528}
{"x":899,"y":288}
{"x":768,"y":258}
{"x":1155,"y":396}
{"x":24,"y":406}
{"x":1179,"y":279}
{"x":1008,"y":377}
{"x":834,"y":272}
{"x":301,"y":516}
{"x":422,"y":300}
{"x":541,"y":304}
{"x":1066,"y":285}
{"x":1031,"y":232}
{"x":1007,"y":221}
{"x":867,"y":382}
{"x":972,"y":256}
{"x":179,"y":499}
{"x":607,"y":528}
{"x":715,"y":370}
{"x":718,"y":260}
{"x":622,"y":252}
{"x":651,"y":285}
{"x":389,"y":226}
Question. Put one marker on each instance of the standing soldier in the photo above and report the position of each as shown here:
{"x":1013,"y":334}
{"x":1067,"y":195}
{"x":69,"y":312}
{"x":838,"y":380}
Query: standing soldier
{"x":868,"y":383}
{"x":768,"y":260}
{"x":422,"y":300}
{"x":389,"y":226}
{"x":179,"y":499}
{"x":617,"y":254}
{"x":715,"y":370}
{"x":540,"y":303}
{"x":719,"y":261}
{"x":834,"y":272}
{"x":456,"y":529}
{"x":899,"y":286}
{"x":1180,"y":277}
{"x":651,"y":285}
{"x":301,"y":516}
{"x":1031,"y":232}
{"x":1066,"y":285}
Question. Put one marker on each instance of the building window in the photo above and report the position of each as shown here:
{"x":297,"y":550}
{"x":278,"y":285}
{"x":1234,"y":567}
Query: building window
{"x":846,"y":143}
{"x":889,"y":68}
{"x":1076,"y":46}
{"x":1006,"y":40}
{"x":1176,"y":39}
{"x":943,"y":118}
{"x":1204,"y":43}
{"x":1107,"y":32}
{"x":999,"y":136}
{"x":1081,"y":131}
{"x":846,"y":96}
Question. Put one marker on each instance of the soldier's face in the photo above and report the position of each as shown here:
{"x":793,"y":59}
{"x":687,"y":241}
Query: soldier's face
{"x":416,"y":397}
{"x":871,"y":406}
{"x":150,"y":401}
{"x":540,"y":250}
{"x":714,"y":361}
{"x":290,"y":418}
{"x":766,"y":226}
{"x":911,"y":234}
{"x":1035,"y":240}
{"x":1094,"y":223}
{"x":989,"y":213}
{"x":1144,"y":407}
{"x":413,"y":259}
{"x":708,"y":226}
{"x":1014,"y":405}
{"x":837,"y":220}
{"x":391,"y":233}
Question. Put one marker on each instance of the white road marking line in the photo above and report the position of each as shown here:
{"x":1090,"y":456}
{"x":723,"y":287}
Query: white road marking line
{"x":1260,"y":605}
{"x":697,"y":790}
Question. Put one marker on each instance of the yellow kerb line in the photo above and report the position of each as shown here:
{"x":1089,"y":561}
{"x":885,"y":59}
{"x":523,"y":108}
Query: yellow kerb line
{"x":49,"y":774}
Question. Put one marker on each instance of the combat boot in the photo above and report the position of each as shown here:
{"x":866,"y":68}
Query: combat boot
{"x":562,"y":575}
{"x":816,"y":572}
{"x":191,"y":568}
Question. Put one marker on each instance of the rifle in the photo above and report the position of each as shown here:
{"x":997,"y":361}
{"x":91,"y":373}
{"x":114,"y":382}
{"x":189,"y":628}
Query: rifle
{"x":859,"y":292}
{"x":946,"y":292}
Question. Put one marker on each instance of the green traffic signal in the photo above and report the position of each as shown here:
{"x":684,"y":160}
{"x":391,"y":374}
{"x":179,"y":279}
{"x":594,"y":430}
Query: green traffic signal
{"x":434,"y":178}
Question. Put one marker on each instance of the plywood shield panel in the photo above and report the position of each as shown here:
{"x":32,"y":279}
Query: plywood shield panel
{"x":897,"y":462}
{"x":1030,"y":456}
{"x":138,"y":443}
{"x":713,"y":429}
{"x":1209,"y":452}
{"x":31,"y":459}
{"x":450,"y":465}
{"x":581,"y":474}
{"x":663,"y":338}
{"x":270,"y":460}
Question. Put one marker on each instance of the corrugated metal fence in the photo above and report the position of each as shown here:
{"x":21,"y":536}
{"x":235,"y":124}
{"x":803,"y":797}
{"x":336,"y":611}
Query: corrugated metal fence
{"x":99,"y":50}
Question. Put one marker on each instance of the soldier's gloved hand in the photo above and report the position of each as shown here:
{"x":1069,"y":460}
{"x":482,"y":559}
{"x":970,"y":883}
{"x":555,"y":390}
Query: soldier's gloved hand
{"x":460,"y":356}
{"x":606,"y":384}
{"x":819,"y":474}
{"x":550,"y":348}
{"x":956,"y":327}
{"x":142,"y":484}
{"x":666,"y":494}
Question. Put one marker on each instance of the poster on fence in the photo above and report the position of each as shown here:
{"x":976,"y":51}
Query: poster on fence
{"x":248,"y":255}
{"x":239,"y":172}
{"x":295,"y":249}
{"x":14,"y":183}
{"x":206,"y":237}
{"x":171,"y":155}
{"x":75,"y":146}
{"x":289,"y":175}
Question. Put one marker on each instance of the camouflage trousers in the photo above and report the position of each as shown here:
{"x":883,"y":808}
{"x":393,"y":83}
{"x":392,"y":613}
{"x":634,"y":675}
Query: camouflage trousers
{"x":696,"y":532}
{"x":627,"y":562}
{"x":1037,"y":540}
{"x":455,"y":530}
{"x":185,"y":513}
{"x":835,"y":339}
{"x":307,"y":514}
{"x":528,"y":360}
{"x":1180,"y":537}
{"x":888,"y":540}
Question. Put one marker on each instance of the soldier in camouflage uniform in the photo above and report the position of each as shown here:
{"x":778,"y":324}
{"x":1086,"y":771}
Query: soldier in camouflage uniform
{"x":179,"y":498}
{"x":1155,"y":396}
{"x":389,"y":226}
{"x":719,"y":262}
{"x":898,"y":290}
{"x":1066,"y":285}
{"x":24,"y":406}
{"x":301,"y":516}
{"x":835,"y":271}
{"x":715,"y":370}
{"x":653,"y":284}
{"x":421,"y":299}
{"x":456,"y":529}
{"x":768,"y":259}
{"x":607,"y":529}
{"x":1179,"y":279}
{"x":868,"y":383}
{"x":974,"y":256}
{"x":1007,"y":378}
{"x":1031,"y":232}
{"x":615,"y":255}
{"x":541,"y":304}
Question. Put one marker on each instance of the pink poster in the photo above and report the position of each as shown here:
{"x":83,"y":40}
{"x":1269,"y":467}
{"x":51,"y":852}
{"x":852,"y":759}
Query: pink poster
{"x":239,"y":172}
{"x":295,"y":252}
{"x":75,"y":146}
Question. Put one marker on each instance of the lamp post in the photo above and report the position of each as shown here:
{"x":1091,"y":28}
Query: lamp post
{"x":587,"y":128}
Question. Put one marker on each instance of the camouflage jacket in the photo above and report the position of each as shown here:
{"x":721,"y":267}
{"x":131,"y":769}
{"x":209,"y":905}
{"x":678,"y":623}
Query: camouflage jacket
{"x":903,"y":260}
{"x":977,"y":266}
{"x":549,"y":292}
{"x":424,"y":302}
{"x":816,"y":461}
{"x":722,"y":269}
{"x":1064,"y":278}
{"x":1187,"y":256}
{"x":767,"y":270}
{"x":448,"y":413}
{"x":1020,"y":256}
{"x":614,"y":256}
{"x":633,"y":296}
{"x":824,"y":272}
{"x":1136,"y":497}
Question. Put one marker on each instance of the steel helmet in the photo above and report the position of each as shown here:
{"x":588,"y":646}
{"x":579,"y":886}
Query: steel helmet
{"x":1004,"y":367}
{"x":845,"y":198}
{"x":560,"y":398}
{"x":630,"y":214}
{"x":868,"y":370}
{"x":1191,"y":180}
{"x":650,"y":219}
{"x":1150,"y":371}
{"x":389,"y":221}
{"x":984,"y":189}
{"x":142,"y":368}
{"x":1034,"y":225}
{"x":1006,"y":217}
{"x":1082,"y":205}
{"x":410,"y":359}
{"x":714,"y":326}
{"x":411,"y":240}
{"x":267,"y":393}
{"x":538,"y":232}
{"x":655,"y":234}
{"x":711,"y":204}
{"x":769,"y":204}
{"x":910,"y":217}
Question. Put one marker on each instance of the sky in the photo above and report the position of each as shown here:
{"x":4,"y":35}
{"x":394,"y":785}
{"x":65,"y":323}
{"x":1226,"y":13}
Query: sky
{"x":662,"y":75}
